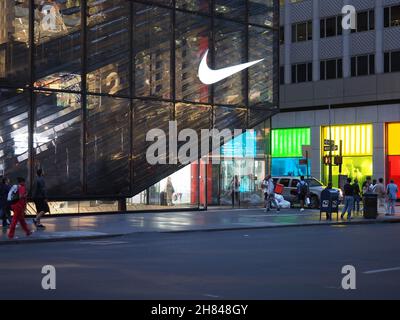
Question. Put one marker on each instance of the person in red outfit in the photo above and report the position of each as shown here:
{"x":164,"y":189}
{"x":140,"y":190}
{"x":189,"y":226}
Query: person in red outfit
{"x":19,"y":210}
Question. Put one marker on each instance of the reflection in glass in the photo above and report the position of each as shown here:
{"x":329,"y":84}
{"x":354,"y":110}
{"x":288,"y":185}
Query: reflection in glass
{"x":261,"y":12}
{"x":230,"y":50}
{"x":108,"y":146}
{"x":192,"y":41}
{"x":193,"y":5}
{"x":108,"y":47}
{"x":57,"y":43}
{"x":57,"y":142}
{"x":14,"y":108}
{"x":152,"y":32}
{"x":14,"y":41}
{"x":234,"y":9}
{"x":261,"y":77}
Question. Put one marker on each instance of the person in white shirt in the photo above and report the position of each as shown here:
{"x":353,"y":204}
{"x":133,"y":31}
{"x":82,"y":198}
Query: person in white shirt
{"x":268,"y":187}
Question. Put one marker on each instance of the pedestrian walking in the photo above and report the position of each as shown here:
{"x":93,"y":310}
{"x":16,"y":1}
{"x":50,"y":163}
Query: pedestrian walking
{"x":268,"y":187}
{"x":40,"y":199}
{"x":380,"y":191}
{"x":169,"y":191}
{"x":392,"y":189}
{"x":357,"y":196}
{"x":302,"y":192}
{"x":367,"y":186}
{"x":5,"y":212}
{"x":348,"y":199}
{"x":17,"y":197}
{"x":235,"y":191}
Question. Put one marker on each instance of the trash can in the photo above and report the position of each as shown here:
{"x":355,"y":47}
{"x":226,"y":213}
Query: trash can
{"x":329,"y":202}
{"x":163,"y":198}
{"x":370,"y":201}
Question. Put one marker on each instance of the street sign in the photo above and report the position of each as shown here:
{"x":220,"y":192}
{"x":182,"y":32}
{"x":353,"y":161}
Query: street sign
{"x":306,"y":151}
{"x":328,"y":142}
{"x":333,"y":148}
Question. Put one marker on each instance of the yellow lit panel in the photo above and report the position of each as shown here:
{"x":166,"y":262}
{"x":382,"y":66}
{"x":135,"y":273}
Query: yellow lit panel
{"x":393,"y":139}
{"x":357,"y":139}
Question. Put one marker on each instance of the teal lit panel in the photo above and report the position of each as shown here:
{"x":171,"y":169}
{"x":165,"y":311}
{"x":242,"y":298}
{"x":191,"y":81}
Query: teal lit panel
{"x":287,"y":143}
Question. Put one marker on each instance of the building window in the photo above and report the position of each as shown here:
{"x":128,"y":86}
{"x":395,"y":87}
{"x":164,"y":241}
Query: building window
{"x":302,"y":31}
{"x":362,"y":65}
{"x":357,"y":150}
{"x":286,"y":152}
{"x":281,"y":35}
{"x":331,"y":69}
{"x":302,"y":72}
{"x":365,"y":21}
{"x":331,"y":27}
{"x":392,"y":16}
{"x":282,"y":75}
{"x":392,"y":61}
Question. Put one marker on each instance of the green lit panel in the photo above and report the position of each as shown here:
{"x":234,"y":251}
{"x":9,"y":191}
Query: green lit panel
{"x":289,"y":142}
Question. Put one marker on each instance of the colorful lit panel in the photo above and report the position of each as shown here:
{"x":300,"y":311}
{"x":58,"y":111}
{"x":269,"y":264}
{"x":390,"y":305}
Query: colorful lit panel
{"x":393,"y":147}
{"x":243,"y":146}
{"x":394,"y":170}
{"x":357,"y":139}
{"x":353,"y":167}
{"x":289,"y":167}
{"x":287,"y":143}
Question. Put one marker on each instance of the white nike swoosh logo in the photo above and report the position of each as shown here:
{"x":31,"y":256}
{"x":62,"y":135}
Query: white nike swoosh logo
{"x":209,"y":76}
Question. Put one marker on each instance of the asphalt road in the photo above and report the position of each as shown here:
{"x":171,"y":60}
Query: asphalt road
{"x":285,"y":263}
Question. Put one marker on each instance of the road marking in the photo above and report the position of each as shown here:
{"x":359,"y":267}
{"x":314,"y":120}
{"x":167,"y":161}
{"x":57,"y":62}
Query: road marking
{"x":382,"y":270}
{"x":211,"y":296}
{"x":106,"y":243}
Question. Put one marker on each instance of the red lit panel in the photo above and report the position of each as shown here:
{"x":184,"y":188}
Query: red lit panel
{"x":394,"y":170}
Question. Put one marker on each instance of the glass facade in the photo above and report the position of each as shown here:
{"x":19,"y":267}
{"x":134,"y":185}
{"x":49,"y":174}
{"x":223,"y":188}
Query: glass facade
{"x":82,"y":81}
{"x":287,"y":151}
{"x":357,"y":149}
{"x":393,"y":153}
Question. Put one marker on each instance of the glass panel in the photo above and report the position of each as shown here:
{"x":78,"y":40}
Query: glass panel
{"x":357,"y":139}
{"x":287,"y":143}
{"x":108,"y":149}
{"x":152,"y":46}
{"x":14,"y":143}
{"x":394,"y":170}
{"x":193,"y":5}
{"x":234,"y":9}
{"x":229,"y":118}
{"x":150,"y":115}
{"x":229,"y":51}
{"x":393,"y":138}
{"x":57,"y":45}
{"x":108,"y":47}
{"x":261,"y":76}
{"x":14,"y":42}
{"x":289,"y":167}
{"x":192,"y":41}
{"x":57,"y":142}
{"x":353,"y":167}
{"x":261,"y":12}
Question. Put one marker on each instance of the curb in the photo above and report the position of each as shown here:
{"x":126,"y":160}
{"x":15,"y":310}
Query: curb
{"x":114,"y":235}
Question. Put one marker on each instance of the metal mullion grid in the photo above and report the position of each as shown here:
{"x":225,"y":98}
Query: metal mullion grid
{"x":31,"y":111}
{"x":84,"y":94}
{"x":172,"y":61}
{"x":246,"y":74}
{"x":131,"y":92}
{"x":199,"y":13}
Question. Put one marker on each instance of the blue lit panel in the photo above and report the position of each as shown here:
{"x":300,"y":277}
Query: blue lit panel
{"x":289,"y":167}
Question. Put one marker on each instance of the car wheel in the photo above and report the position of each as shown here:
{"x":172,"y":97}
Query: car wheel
{"x":314,"y":202}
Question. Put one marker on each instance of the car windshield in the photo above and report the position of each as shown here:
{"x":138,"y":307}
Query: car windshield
{"x":314,"y":183}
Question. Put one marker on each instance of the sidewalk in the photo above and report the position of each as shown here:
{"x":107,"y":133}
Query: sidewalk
{"x":103,"y":226}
